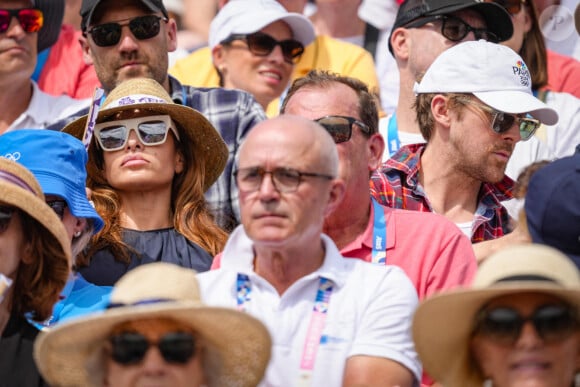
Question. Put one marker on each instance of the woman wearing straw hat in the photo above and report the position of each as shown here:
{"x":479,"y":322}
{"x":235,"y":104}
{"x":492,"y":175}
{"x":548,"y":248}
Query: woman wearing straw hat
{"x":156,"y":331}
{"x":35,"y":263}
{"x":518,"y":325}
{"x":58,"y":161}
{"x":150,"y":162}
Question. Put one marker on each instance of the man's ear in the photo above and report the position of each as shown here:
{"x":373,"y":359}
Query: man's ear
{"x":87,"y":57}
{"x":400,"y":43}
{"x":440,"y":110}
{"x":375,"y":149}
{"x":171,"y":35}
{"x":335,"y":196}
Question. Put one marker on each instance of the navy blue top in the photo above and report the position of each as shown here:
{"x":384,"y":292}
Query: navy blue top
{"x":165,"y":245}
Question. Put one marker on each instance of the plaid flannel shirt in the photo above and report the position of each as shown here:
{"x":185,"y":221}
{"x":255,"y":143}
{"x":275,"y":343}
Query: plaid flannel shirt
{"x":396,"y":184}
{"x":233,"y":113}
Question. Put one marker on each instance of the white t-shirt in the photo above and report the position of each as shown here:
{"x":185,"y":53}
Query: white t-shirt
{"x":45,"y":109}
{"x":369,"y":312}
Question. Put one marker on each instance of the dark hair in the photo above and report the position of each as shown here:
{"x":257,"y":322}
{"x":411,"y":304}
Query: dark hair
{"x":533,"y":50}
{"x":367,"y":101}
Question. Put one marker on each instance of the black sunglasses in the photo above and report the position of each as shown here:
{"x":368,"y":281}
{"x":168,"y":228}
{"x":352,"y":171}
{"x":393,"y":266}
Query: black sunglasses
{"x":130,"y":347}
{"x":340,"y":127}
{"x":455,"y":29}
{"x":5,"y":217}
{"x":142,"y":27}
{"x":58,"y":206}
{"x":30,"y":19}
{"x":261,"y":44}
{"x":553,"y":323}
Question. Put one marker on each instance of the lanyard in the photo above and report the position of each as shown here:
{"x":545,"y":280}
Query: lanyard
{"x":393,"y":135}
{"x":315,"y":328}
{"x":379,"y":254}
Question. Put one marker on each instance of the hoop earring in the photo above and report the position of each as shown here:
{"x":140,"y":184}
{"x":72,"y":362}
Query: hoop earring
{"x":77,"y":234}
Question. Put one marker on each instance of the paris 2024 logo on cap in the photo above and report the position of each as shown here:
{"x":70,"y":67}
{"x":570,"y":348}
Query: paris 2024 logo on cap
{"x":521,"y":71}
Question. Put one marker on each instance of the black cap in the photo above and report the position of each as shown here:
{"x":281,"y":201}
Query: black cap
{"x":497,"y":19}
{"x":53,"y":13}
{"x":88,"y":8}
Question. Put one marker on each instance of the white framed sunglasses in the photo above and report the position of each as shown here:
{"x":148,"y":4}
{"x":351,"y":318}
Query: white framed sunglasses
{"x":151,"y":131}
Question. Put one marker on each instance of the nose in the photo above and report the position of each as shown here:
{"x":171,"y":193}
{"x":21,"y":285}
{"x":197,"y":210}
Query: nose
{"x":276,"y":55}
{"x":513,"y":134}
{"x":15,"y":28}
{"x":153,"y":362}
{"x":529,"y":337}
{"x":133,"y":140}
{"x":267,"y":189}
{"x":128,"y":42}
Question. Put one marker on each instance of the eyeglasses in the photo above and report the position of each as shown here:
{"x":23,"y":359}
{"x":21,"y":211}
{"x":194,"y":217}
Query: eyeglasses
{"x":58,"y":206}
{"x":553,"y":323}
{"x":285,"y":180}
{"x":151,"y":130}
{"x":512,"y":7}
{"x":131,"y":347}
{"x":30,"y":19}
{"x":261,"y":44}
{"x":502,"y":122}
{"x":455,"y":29}
{"x":5,"y":216}
{"x":340,"y":127}
{"x":142,"y":27}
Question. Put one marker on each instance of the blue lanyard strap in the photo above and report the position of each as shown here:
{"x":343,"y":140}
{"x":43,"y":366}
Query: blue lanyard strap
{"x":379,"y":254}
{"x":393,"y":141}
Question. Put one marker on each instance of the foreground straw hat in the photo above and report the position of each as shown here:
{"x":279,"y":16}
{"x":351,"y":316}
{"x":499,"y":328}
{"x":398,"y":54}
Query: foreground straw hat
{"x":194,"y":129}
{"x":443,"y":324}
{"x":67,"y":355}
{"x":19,"y":188}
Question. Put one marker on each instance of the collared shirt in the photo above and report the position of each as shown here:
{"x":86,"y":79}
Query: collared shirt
{"x":45,"y":109}
{"x":369,"y":312}
{"x":233,"y":113}
{"x":396,"y":184}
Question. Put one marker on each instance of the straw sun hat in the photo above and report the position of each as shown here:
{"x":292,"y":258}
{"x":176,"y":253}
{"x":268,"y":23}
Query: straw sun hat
{"x":443,"y":324}
{"x":163,"y":290}
{"x":19,"y":188}
{"x":194,"y":129}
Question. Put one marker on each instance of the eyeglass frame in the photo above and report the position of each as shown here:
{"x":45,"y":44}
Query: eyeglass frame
{"x":166,"y":118}
{"x":60,"y":209}
{"x":351,"y":120}
{"x":262,"y":172}
{"x":15,"y":13}
{"x":495,"y":114}
{"x":244,"y":37}
{"x":6,"y":215}
{"x":161,"y":344}
{"x":125,"y":23}
{"x":444,"y":18}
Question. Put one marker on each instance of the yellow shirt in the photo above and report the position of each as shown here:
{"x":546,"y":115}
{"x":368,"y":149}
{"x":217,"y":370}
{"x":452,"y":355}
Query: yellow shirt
{"x":325,"y":53}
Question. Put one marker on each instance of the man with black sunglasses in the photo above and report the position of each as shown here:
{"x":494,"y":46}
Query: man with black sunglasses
{"x":131,"y":38}
{"x":474,"y":104}
{"x":25,"y":30}
{"x":417,"y":242}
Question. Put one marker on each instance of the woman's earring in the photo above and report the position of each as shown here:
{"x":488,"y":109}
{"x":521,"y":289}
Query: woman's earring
{"x":77,"y":234}
{"x":488,"y":383}
{"x":577,"y":380}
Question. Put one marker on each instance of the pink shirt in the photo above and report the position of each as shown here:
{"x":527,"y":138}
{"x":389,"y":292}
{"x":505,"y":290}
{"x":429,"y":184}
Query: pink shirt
{"x":431,"y":250}
{"x":563,"y":74}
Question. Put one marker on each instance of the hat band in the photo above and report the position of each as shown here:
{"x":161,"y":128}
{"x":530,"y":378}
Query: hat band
{"x":527,"y":277}
{"x":114,"y":305}
{"x":11,"y":178}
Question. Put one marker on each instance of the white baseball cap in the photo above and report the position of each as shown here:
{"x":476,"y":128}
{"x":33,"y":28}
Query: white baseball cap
{"x":495,"y":74}
{"x":249,"y":16}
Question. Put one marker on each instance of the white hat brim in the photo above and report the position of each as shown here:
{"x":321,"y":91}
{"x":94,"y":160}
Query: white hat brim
{"x":518,"y":102}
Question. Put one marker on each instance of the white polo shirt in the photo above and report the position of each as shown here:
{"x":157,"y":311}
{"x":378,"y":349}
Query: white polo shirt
{"x":369,"y":312}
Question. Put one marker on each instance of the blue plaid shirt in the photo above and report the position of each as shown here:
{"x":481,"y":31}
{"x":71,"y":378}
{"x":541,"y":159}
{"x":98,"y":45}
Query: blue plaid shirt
{"x":233,"y":113}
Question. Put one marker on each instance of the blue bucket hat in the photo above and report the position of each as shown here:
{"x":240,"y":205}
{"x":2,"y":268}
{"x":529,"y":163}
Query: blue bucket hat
{"x":553,"y":206}
{"x":58,"y":161}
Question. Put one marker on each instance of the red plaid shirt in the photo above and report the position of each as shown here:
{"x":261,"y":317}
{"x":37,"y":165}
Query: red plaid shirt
{"x":396,"y":184}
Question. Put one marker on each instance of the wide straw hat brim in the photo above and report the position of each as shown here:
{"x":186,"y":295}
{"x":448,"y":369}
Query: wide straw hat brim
{"x":33,"y":204}
{"x":194,"y":129}
{"x":242,"y":343}
{"x":443,"y":324}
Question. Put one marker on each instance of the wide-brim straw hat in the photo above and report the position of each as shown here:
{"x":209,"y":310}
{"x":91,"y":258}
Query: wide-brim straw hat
{"x":194,"y":129}
{"x":443,"y":324}
{"x":19,"y":189}
{"x":66,"y":355}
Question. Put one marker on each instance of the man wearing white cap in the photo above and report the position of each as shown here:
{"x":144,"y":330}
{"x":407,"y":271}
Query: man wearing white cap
{"x":474,"y":104}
